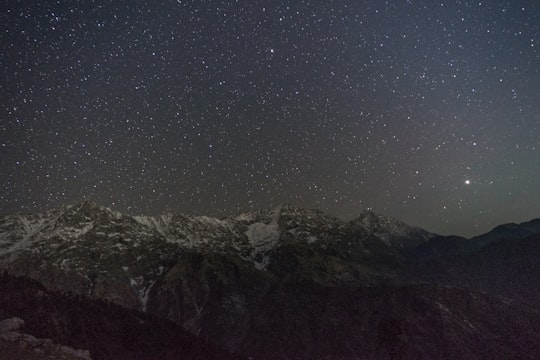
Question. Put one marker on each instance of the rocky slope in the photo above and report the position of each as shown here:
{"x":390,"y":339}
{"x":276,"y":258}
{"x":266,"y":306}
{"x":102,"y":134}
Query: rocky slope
{"x":18,"y":344}
{"x":91,"y":250}
{"x":289,"y":283}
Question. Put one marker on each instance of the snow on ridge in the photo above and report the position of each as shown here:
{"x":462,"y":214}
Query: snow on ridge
{"x":159,"y":224}
{"x":30,"y":227}
{"x":211,"y":221}
{"x":182,"y":230}
{"x":166,"y":218}
{"x":142,"y":286}
{"x":145,"y":220}
{"x":261,"y":229}
{"x":373,"y":221}
{"x":248,"y":217}
{"x":260,"y":235}
{"x":263,"y":238}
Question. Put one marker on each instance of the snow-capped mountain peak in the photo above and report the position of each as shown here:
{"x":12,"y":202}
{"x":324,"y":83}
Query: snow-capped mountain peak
{"x":88,"y":245}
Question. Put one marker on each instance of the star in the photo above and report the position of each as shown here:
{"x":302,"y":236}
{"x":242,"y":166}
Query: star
{"x":219,"y":107}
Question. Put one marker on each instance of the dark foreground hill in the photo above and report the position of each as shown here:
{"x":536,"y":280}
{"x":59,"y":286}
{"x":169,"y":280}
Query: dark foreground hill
{"x":507,"y":267}
{"x":106,"y":330}
{"x":295,"y":321}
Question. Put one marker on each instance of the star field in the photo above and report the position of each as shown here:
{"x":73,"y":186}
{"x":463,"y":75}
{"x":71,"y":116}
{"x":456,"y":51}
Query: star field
{"x":421,"y":110}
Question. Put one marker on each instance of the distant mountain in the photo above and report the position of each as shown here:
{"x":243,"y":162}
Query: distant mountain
{"x":291,"y":283}
{"x":506,"y":231}
{"x":453,"y":245}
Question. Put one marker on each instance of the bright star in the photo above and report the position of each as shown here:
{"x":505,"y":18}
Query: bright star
{"x":467,"y":182}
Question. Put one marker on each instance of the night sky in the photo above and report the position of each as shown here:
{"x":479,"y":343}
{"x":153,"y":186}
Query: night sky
{"x":427,"y":111}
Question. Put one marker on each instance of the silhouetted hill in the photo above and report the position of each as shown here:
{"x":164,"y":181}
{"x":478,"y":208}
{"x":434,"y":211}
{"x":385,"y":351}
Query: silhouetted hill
{"x":453,"y":245}
{"x":505,"y":267}
{"x":107,"y":330}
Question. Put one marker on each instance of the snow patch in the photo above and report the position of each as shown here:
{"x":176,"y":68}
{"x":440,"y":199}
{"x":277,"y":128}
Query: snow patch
{"x":263,"y":238}
{"x":72,"y":233}
{"x":312,"y":239}
{"x":443,"y":308}
{"x":158,"y":224}
{"x":247,"y":217}
{"x":469,"y":324}
{"x":211,"y":221}
{"x":142,"y":288}
{"x":30,"y":230}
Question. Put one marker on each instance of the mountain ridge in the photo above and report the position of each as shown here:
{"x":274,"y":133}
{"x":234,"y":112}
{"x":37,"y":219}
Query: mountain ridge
{"x":232,"y":280}
{"x":533,"y":225}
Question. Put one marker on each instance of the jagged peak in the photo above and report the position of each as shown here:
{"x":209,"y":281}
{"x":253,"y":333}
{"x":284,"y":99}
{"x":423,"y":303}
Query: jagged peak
{"x":90,"y":209}
{"x":280,"y":211}
{"x":390,"y":230}
{"x":369,"y":217}
{"x":83,"y":204}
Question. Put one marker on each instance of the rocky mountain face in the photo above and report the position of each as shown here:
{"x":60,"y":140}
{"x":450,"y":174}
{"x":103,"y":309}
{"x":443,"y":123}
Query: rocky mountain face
{"x":393,"y":232}
{"x":291,"y":283}
{"x":91,"y":250}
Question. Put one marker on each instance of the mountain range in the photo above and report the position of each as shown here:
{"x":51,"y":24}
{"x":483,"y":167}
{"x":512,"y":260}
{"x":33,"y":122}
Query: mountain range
{"x":284,"y":283}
